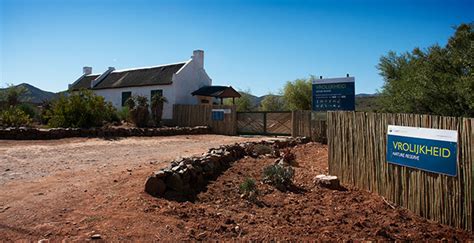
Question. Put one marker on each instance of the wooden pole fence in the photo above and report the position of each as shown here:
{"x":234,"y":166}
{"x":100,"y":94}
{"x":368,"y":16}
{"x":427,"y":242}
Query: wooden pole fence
{"x":357,"y":155}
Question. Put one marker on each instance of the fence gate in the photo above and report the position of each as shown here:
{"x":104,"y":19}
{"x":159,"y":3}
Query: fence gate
{"x":277,"y":123}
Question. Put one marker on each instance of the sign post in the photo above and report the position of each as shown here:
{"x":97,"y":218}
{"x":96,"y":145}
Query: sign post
{"x":433,"y":150}
{"x":218,"y":114}
{"x":332,"y":94}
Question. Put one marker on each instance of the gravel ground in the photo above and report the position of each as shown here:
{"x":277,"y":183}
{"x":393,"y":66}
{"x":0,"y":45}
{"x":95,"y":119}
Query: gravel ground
{"x":74,"y":189}
{"x":29,"y":160}
{"x":46,"y":186}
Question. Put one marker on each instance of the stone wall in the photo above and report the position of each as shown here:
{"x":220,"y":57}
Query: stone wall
{"x":186,"y":177}
{"x":57,"y":133}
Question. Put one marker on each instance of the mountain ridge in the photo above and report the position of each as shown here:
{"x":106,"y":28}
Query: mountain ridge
{"x":364,"y":101}
{"x":34,"y":95}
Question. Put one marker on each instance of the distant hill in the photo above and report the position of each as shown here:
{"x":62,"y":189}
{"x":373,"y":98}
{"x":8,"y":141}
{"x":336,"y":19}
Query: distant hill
{"x":367,"y":102}
{"x":366,"y":95}
{"x":35,"y":95}
{"x":364,"y":102}
{"x":256,"y":100}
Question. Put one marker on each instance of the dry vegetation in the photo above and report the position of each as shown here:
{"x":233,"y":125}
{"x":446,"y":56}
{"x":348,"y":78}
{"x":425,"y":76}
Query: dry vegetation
{"x":110,"y":202}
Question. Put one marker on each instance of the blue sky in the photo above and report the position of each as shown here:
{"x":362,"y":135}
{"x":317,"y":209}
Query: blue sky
{"x":256,"y":45}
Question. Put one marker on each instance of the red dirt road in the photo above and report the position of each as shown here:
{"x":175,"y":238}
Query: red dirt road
{"x":87,"y":199}
{"x":60,"y":188}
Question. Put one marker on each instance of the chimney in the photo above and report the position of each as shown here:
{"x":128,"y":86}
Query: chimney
{"x":87,"y":70}
{"x":198,"y":58}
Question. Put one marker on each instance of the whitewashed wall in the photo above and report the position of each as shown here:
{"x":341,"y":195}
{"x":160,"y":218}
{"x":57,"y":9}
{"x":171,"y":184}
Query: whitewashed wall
{"x":189,"y":78}
{"x":115,"y":96}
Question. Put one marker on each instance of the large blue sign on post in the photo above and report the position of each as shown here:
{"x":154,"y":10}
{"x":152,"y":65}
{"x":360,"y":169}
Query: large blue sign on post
{"x":432,"y":150}
{"x":332,"y":94}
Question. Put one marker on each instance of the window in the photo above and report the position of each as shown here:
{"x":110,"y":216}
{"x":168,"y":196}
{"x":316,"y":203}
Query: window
{"x":203,"y":101}
{"x":156,"y":92}
{"x":125,"y":96}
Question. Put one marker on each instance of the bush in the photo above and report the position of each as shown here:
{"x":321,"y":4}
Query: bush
{"x":248,"y":185}
{"x":30,"y":110}
{"x":14,"y":117}
{"x":139,"y":113}
{"x":279,"y":176}
{"x":123,"y":114}
{"x":80,"y":109}
{"x":157,"y":104}
{"x":248,"y":188}
{"x":44,"y":112}
{"x":12,"y":96}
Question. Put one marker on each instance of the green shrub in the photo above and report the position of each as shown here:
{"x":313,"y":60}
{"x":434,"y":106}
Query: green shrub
{"x":12,"y":96}
{"x":248,"y":188}
{"x":279,"y":176}
{"x":248,"y":185}
{"x":124,"y":114}
{"x":157,"y":104}
{"x":113,"y":116}
{"x":30,"y":110}
{"x":44,"y":113}
{"x":138,"y":107}
{"x":80,"y":109}
{"x":14,"y":117}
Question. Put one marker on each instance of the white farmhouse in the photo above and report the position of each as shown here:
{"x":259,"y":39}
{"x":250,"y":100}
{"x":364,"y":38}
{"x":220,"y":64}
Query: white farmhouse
{"x":176,"y":81}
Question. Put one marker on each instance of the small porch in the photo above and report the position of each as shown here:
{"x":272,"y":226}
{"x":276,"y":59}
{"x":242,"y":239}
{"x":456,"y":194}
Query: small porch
{"x":207,"y":93}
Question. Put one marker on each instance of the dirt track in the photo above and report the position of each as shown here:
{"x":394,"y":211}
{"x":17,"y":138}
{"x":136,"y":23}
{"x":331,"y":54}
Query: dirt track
{"x":48,"y":185}
{"x":88,"y":198}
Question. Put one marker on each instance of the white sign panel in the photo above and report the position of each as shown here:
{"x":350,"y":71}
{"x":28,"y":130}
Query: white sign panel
{"x":433,"y":150}
{"x":426,"y":133}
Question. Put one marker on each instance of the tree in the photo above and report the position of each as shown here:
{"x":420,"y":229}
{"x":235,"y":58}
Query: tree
{"x":244,"y":103}
{"x":138,"y":108}
{"x":297,"y":94}
{"x":12,"y":111}
{"x":157,"y":103}
{"x":272,"y":102}
{"x":12,"y":96}
{"x":438,"y":80}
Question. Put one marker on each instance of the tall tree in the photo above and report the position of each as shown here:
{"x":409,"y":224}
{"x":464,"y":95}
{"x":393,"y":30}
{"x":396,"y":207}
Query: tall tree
{"x":297,"y":94}
{"x":438,"y":80}
{"x":13,"y":95}
{"x":244,"y":103}
{"x":272,"y":102}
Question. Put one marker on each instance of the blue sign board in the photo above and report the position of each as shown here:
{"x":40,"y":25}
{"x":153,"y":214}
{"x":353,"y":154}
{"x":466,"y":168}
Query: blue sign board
{"x":334,"y":94}
{"x":432,"y":150}
{"x":217,"y":115}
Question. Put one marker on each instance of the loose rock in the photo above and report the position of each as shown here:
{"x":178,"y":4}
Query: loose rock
{"x":155,"y":186}
{"x":328,"y":181}
{"x":185,"y":176}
